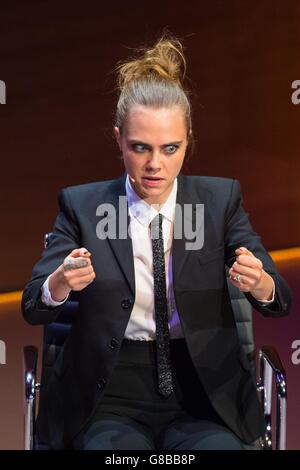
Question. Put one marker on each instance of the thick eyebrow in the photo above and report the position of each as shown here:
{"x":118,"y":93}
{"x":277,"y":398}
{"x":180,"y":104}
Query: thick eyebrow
{"x":139,"y":142}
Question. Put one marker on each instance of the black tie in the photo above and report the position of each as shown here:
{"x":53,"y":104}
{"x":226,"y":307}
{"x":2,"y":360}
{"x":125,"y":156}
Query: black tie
{"x":165,"y":386}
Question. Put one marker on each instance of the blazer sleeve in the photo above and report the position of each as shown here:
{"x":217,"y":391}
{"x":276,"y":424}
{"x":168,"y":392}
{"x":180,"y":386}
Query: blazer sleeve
{"x":65,"y":238}
{"x":239,"y":232}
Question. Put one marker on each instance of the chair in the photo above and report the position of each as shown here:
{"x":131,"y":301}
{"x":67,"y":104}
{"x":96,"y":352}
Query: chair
{"x":270,"y":367}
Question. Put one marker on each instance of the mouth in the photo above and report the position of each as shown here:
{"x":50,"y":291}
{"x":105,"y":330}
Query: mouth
{"x":152,"y":180}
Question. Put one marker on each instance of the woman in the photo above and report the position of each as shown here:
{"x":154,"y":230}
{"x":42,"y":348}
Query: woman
{"x":153,"y":359}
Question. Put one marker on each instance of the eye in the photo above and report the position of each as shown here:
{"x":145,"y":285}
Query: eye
{"x":171,"y":148}
{"x":139,"y":148}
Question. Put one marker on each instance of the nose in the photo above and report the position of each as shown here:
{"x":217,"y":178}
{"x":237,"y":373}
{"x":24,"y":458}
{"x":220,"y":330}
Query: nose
{"x":153,"y":162}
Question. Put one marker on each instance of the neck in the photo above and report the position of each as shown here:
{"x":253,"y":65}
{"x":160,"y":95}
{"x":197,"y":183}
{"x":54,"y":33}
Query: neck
{"x":158,"y":201}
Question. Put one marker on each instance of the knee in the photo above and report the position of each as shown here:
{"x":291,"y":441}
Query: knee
{"x":112,"y":435}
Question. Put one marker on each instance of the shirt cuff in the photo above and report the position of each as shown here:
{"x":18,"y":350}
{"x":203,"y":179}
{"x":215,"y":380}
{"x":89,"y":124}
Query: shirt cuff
{"x":46,"y":296}
{"x":267,"y":302}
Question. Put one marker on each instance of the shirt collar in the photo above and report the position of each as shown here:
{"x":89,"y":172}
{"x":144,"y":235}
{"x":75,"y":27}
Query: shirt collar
{"x":143,"y":211}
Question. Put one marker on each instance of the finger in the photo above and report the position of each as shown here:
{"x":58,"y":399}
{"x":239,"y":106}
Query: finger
{"x":79,"y":252}
{"x":247,"y":262}
{"x":243,"y":282}
{"x":250,"y":261}
{"x":249,"y":279}
{"x":70,"y":263}
{"x":235,"y":282}
{"x":240,"y":285}
{"x":248,"y":275}
{"x":79,"y":272}
{"x":243,"y":250}
{"x":233,"y":274}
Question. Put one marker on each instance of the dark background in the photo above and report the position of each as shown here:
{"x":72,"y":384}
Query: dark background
{"x":57,"y":60}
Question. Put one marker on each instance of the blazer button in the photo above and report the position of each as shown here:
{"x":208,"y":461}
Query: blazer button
{"x":114,"y":343}
{"x":101,"y":384}
{"x":126,"y":303}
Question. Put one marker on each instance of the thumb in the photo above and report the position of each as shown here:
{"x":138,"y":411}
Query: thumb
{"x":243,"y":251}
{"x":80,"y":252}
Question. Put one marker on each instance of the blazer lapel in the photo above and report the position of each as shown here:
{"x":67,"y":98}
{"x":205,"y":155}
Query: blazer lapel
{"x":121,"y":245}
{"x":184,"y":217}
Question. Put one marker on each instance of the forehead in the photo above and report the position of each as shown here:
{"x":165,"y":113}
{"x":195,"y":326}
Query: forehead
{"x":148,"y":124}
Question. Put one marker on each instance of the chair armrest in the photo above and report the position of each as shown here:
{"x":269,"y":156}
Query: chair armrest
{"x":30,"y":366}
{"x":270,"y":365}
{"x":31,"y":386}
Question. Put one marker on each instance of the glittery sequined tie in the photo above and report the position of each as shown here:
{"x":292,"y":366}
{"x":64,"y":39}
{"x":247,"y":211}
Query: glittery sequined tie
{"x":165,"y":386}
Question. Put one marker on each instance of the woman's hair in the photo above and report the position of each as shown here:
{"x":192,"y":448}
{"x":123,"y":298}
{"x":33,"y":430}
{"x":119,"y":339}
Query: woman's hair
{"x":154,"y":79}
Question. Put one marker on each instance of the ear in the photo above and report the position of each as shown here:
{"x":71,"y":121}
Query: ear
{"x":191,"y":141}
{"x":117,"y":135}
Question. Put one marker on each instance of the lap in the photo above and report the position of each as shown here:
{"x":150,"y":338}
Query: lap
{"x":199,"y":434}
{"x":113,"y":432}
{"x":132,"y":415}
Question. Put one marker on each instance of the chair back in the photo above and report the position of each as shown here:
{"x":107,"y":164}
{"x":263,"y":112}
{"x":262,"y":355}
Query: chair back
{"x":242,"y":310}
{"x":55,"y":334}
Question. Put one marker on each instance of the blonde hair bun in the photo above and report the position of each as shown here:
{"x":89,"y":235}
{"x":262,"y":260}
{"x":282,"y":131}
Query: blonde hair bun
{"x":165,"y":60}
{"x":154,"y":78}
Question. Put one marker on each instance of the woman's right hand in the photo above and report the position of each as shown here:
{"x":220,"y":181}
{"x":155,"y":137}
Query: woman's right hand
{"x":75,"y":274}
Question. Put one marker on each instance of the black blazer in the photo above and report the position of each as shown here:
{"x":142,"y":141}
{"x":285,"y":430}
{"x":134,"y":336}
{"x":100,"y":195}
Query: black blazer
{"x":84,"y":368}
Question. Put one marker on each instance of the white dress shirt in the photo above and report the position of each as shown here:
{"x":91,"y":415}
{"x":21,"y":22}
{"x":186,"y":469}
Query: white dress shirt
{"x":141,"y":325}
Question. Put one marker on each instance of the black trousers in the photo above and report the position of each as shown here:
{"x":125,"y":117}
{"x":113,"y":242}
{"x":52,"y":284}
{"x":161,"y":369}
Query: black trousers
{"x":134,"y":416}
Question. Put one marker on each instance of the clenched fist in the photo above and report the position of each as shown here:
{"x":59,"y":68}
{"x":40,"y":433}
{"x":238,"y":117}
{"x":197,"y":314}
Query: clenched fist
{"x":75,"y":274}
{"x":248,"y":275}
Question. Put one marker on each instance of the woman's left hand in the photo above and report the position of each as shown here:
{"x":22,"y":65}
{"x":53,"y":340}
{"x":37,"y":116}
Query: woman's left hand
{"x":248,"y":275}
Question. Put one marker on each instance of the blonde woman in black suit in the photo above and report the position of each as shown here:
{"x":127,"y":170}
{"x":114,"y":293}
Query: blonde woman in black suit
{"x":124,"y":380}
